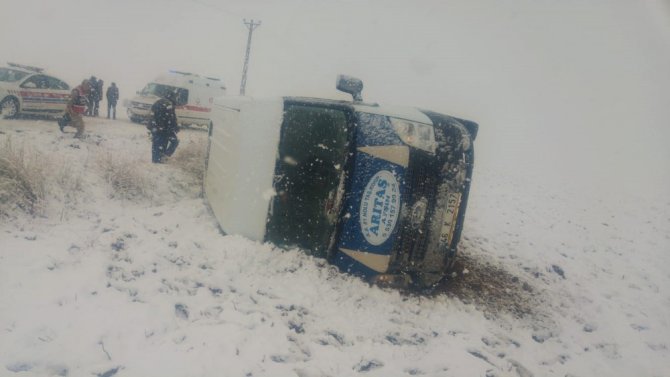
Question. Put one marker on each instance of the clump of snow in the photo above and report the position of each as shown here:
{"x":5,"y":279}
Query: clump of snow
{"x":269,"y":194}
{"x":548,"y":283}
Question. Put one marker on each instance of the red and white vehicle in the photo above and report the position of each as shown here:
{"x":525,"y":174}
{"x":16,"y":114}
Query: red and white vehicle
{"x":195,"y":95}
{"x":28,"y":90}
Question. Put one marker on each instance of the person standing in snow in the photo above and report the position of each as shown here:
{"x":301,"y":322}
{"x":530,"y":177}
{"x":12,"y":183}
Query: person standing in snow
{"x":91,"y":95}
{"x":112,"y":99}
{"x":98,"y":97}
{"x":76,"y":106}
{"x":164,"y":128}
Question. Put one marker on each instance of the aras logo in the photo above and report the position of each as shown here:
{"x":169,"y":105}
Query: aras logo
{"x":379,"y":207}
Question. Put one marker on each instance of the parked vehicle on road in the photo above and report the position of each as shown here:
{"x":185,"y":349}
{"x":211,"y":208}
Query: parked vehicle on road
{"x":195,"y":95}
{"x":29,"y":90}
{"x":379,"y":191}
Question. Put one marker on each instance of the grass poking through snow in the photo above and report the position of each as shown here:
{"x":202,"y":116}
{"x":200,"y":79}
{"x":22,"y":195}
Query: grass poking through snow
{"x":190,"y":157}
{"x":23,"y":175}
{"x":124,"y":176}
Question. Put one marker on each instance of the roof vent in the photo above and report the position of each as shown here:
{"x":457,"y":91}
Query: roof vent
{"x":351,"y":85}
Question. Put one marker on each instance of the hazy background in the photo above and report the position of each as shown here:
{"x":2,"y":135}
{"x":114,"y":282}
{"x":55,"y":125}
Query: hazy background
{"x":568,"y":93}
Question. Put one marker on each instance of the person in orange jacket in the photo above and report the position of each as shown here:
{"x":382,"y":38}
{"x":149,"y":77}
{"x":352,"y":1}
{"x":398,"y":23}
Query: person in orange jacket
{"x":76,"y":106}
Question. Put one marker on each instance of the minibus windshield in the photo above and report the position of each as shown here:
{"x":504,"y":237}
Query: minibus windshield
{"x":161,"y":90}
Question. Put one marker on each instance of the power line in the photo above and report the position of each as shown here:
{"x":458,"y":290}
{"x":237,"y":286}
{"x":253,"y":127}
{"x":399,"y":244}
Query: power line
{"x":251,"y":26}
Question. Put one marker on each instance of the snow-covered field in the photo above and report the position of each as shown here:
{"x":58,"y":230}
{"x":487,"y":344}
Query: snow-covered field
{"x":136,"y":280}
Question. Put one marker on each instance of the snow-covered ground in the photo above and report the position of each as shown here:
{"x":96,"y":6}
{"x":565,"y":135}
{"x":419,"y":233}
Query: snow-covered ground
{"x":114,"y":281}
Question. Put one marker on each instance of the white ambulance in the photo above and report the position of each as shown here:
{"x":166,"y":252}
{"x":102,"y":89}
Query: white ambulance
{"x":195,"y":95}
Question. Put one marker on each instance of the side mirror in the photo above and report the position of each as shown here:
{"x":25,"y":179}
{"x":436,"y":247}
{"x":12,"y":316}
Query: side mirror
{"x":351,"y":85}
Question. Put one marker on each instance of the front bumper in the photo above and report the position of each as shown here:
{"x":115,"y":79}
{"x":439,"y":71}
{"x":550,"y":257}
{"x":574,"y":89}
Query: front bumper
{"x":139,"y":109}
{"x":432,"y":218}
{"x":141,"y":113}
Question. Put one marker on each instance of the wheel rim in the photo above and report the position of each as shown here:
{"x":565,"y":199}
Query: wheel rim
{"x":9,"y":108}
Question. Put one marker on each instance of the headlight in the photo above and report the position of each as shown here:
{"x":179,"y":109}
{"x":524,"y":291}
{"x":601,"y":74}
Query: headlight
{"x":417,"y":135}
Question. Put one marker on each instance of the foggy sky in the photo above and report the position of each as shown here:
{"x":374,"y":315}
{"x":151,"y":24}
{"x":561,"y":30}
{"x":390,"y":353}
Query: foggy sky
{"x":567,"y":92}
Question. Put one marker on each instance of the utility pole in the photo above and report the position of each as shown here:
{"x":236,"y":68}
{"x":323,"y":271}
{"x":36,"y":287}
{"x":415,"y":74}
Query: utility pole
{"x":251,"y":26}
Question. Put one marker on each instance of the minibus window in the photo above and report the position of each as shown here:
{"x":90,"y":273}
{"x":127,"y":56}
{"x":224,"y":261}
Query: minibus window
{"x":182,"y":97}
{"x":312,"y":152}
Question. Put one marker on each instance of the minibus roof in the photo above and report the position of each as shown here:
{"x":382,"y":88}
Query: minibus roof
{"x":402,"y":112}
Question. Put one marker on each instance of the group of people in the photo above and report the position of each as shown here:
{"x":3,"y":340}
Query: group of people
{"x":85,"y":100}
{"x":94,"y":96}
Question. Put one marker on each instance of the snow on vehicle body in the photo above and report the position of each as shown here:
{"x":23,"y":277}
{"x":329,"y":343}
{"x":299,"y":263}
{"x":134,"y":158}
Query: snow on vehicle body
{"x":379,"y":191}
{"x":28,"y":90}
{"x":195,"y":95}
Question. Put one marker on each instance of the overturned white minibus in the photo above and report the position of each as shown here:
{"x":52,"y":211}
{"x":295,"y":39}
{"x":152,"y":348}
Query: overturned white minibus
{"x":379,"y":191}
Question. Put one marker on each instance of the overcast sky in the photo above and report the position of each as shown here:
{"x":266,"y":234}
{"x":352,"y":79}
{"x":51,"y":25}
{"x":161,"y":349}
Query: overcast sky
{"x":573,"y":92}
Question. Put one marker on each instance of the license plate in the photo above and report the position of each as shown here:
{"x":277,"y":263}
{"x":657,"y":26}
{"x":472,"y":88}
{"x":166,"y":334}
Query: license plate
{"x":449,"y":219}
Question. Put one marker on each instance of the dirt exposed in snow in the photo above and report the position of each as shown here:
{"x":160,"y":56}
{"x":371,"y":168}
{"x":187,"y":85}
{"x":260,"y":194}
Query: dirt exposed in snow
{"x":491,"y":288}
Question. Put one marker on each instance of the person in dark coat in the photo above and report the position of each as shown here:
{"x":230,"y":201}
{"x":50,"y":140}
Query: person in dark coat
{"x":164,"y":128}
{"x":98,"y":97}
{"x":92,"y":95}
{"x":112,"y":99}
